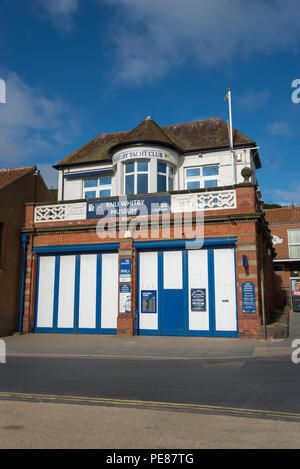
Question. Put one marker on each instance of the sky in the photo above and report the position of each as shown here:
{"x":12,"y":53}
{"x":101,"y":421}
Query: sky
{"x":76,"y":68}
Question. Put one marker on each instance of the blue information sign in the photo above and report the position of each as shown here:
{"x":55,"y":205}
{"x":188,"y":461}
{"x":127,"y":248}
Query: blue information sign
{"x":125,"y":270}
{"x":129,"y":207}
{"x":198,"y":299}
{"x":248,"y":298}
{"x":148,"y":301}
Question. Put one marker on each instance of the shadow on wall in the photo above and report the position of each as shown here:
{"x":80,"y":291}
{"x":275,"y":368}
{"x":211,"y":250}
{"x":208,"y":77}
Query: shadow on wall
{"x":281,"y":295}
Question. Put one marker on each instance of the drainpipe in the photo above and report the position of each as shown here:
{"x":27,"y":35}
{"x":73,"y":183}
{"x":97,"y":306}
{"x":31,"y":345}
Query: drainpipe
{"x":24,"y":241}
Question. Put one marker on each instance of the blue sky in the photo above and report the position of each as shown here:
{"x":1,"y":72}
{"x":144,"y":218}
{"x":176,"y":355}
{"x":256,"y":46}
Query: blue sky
{"x":77,"y":68}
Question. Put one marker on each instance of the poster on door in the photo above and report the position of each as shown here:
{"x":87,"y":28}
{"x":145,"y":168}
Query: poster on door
{"x":295,"y":290}
{"x":198,"y":299}
{"x":125,"y":299}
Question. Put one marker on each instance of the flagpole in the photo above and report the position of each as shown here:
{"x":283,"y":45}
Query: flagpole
{"x":231,"y":137}
{"x":230,"y":119}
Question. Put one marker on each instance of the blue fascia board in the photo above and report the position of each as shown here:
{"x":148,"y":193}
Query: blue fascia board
{"x":187,"y":244}
{"x":88,"y":174}
{"x":76,"y":248}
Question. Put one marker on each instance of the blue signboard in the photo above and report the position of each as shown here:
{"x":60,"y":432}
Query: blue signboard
{"x":198,"y":299}
{"x":129,"y":207}
{"x":248,"y":298}
{"x":148,"y":301}
{"x":125,"y":270}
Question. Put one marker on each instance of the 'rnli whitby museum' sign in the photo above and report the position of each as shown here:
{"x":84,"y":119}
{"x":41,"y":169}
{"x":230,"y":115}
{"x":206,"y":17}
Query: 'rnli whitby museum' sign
{"x":132,"y":207}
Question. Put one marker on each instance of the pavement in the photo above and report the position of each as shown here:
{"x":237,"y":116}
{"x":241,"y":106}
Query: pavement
{"x":41,"y":425}
{"x":150,"y":347}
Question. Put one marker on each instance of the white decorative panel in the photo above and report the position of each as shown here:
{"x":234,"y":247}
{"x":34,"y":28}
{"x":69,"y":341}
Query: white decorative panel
{"x":60,"y":212}
{"x":110,"y":291}
{"x":65,"y":317}
{"x":198,"y":279}
{"x":45,"y":292}
{"x":172,"y":270}
{"x":148,"y":281}
{"x":88,"y":291}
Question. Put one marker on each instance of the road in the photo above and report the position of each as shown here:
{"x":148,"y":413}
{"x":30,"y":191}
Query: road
{"x":260,"y":384}
{"x":212,"y":403}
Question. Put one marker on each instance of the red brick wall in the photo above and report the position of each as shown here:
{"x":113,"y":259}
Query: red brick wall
{"x":252,"y":241}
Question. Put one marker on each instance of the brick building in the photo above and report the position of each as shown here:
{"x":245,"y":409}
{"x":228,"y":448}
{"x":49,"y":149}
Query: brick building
{"x":157,"y":231}
{"x":284,"y":224}
{"x":17,"y":186}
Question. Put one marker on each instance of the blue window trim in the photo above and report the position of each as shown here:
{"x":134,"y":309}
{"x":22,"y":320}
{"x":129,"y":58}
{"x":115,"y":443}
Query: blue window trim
{"x":188,"y":244}
{"x":80,"y":248}
{"x":105,"y":172}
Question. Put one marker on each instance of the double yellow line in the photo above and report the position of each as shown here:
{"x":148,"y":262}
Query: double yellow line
{"x":151,"y":405}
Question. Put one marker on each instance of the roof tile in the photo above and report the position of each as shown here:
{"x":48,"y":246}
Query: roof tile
{"x":10,"y":174}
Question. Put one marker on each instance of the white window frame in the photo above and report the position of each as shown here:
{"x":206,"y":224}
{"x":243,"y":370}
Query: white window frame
{"x":293,"y":244}
{"x":97,"y":188}
{"x":170,"y":173}
{"x":201,"y":179}
{"x":135,"y":173}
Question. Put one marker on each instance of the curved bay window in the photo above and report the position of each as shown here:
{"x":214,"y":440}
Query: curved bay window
{"x":137,"y":177}
{"x":165,"y":177}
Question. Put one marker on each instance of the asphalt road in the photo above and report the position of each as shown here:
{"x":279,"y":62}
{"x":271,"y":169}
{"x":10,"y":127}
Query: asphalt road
{"x":271,"y":385}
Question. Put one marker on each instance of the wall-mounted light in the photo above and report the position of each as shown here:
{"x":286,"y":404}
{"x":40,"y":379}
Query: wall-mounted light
{"x":245,"y":261}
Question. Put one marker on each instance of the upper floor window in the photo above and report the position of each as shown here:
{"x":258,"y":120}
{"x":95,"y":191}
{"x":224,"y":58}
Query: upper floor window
{"x":202,"y":177}
{"x":136,"y":177}
{"x":165,"y":177}
{"x":294,"y":243}
{"x":97,"y":187}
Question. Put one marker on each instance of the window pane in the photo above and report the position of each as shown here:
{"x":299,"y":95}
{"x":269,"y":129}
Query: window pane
{"x":90,"y":182}
{"x":170,"y":184}
{"x":294,"y":236}
{"x":193,"y":185}
{"x":129,"y":189}
{"x":193,"y":172}
{"x":142,"y":165}
{"x":211,"y":171}
{"x":295,"y":251}
{"x":105,"y":181}
{"x":171,"y":170}
{"x":129,"y":167}
{"x":90,"y":194}
{"x":211,"y":183}
{"x":161,"y":168}
{"x":105,"y":193}
{"x":142,"y":183}
{"x":161,"y":183}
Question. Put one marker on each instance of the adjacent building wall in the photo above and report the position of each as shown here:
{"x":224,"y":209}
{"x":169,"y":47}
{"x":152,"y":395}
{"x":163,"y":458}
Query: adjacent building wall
{"x":12,"y":217}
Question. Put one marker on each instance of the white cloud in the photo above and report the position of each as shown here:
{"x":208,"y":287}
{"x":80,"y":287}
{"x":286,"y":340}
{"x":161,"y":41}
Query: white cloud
{"x":252,"y":100}
{"x":153,"y":36}
{"x":280,"y":128}
{"x":60,"y":12}
{"x":33,"y":127}
{"x":281,"y":197}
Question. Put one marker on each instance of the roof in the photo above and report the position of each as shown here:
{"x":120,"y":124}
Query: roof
{"x":188,"y":137}
{"x":7,"y":176}
{"x":283,"y":215}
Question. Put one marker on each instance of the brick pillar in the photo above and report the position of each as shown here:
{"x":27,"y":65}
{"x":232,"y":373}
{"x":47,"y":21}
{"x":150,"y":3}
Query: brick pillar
{"x":126,"y":320}
{"x":29,"y":293}
{"x":250,"y":325}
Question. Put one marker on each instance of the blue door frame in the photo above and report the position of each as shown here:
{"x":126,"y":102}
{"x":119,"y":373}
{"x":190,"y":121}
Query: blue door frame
{"x":177,"y":245}
{"x":58,"y":252}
